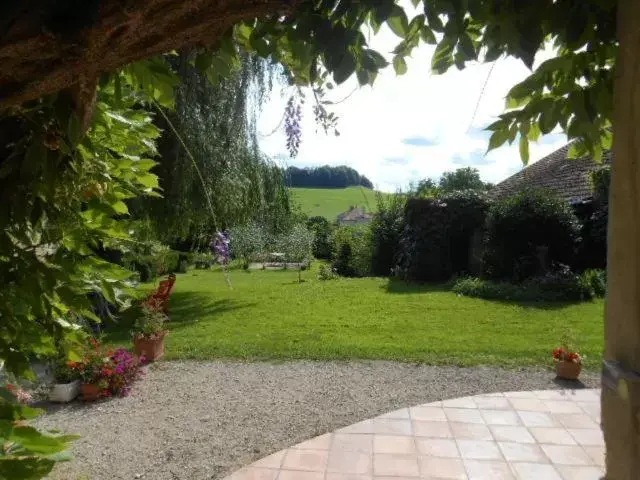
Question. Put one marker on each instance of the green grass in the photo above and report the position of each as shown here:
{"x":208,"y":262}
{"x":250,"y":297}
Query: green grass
{"x":268,"y":315}
{"x":329,"y":202}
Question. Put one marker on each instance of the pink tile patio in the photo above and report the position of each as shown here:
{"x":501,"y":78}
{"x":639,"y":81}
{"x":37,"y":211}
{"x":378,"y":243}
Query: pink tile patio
{"x":541,"y":435}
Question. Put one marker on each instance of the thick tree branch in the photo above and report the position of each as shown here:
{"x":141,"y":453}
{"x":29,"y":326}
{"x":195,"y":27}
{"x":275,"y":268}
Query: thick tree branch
{"x":50,"y":45}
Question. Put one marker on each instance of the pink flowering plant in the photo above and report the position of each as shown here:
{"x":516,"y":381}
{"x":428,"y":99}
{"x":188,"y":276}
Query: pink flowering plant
{"x":112,"y":371}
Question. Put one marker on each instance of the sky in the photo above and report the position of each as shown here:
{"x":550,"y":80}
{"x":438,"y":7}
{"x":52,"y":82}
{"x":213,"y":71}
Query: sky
{"x":407,"y":128}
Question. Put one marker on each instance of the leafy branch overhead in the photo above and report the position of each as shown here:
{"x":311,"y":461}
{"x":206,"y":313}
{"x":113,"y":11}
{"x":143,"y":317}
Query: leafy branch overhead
{"x":572,"y":91}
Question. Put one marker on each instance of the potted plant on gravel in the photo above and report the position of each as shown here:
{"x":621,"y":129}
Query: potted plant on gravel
{"x":93,"y":371}
{"x":149,"y":332}
{"x":106,"y":372}
{"x":568,"y":363}
{"x":67,"y":383}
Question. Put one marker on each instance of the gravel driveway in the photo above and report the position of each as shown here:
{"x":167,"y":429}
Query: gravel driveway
{"x":196,"y":421}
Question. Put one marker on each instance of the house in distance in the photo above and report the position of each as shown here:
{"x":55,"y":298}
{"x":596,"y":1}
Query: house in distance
{"x":354,"y":216}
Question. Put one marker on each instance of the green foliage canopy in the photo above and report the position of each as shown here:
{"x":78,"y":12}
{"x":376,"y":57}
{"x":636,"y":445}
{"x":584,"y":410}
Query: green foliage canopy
{"x":466,"y":178}
{"x":247,"y":241}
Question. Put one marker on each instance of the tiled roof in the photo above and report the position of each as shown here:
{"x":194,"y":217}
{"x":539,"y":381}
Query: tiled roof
{"x":568,"y":178}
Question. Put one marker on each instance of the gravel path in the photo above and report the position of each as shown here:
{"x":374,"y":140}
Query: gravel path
{"x":197,"y":421}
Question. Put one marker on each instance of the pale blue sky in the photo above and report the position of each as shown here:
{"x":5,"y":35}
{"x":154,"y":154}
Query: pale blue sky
{"x":411,"y":127}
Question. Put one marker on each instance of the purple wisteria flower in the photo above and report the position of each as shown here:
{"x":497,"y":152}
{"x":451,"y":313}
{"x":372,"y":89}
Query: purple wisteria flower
{"x":220,"y":246}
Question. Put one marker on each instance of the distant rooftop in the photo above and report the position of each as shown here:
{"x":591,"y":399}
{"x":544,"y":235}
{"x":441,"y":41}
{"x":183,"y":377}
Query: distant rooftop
{"x":567,"y":178}
{"x":354,"y":214}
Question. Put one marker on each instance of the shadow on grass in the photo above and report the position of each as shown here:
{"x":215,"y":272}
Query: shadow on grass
{"x":185,"y":308}
{"x":397,"y":286}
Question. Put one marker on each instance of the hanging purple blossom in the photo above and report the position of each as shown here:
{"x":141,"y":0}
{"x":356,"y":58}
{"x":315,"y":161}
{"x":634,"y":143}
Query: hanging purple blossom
{"x":292,"y":120}
{"x":220,"y":246}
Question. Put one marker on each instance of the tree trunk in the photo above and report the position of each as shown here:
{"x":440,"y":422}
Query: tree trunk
{"x":621,"y":404}
{"x":48,"y":46}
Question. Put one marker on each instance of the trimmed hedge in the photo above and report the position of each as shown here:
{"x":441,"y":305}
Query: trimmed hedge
{"x":386,"y":232}
{"x":438,"y":236}
{"x":527,"y":234}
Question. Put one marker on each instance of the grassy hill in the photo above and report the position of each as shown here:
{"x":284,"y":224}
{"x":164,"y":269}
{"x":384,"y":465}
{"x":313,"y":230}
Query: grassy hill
{"x":329,"y":202}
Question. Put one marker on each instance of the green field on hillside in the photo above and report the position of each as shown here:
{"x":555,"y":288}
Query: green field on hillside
{"x":330,"y":202}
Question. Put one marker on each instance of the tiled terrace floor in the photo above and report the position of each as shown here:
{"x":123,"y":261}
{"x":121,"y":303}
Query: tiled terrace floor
{"x":542,"y":435}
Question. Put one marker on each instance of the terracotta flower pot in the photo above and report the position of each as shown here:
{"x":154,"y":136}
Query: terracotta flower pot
{"x":568,"y":370}
{"x":64,"y":392}
{"x":90,"y":392}
{"x":151,"y":348}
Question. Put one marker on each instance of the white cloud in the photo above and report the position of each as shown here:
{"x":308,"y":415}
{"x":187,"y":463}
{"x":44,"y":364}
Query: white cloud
{"x":434,"y":111}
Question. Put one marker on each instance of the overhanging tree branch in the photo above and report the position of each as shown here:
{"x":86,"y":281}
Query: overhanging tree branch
{"x":46,"y":47}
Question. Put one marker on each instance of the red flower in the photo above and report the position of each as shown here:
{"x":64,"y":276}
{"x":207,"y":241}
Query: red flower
{"x":107,"y":372}
{"x":573,"y":357}
{"x":11,"y":387}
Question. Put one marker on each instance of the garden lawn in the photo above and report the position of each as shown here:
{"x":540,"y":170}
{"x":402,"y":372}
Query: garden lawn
{"x":269,"y":315}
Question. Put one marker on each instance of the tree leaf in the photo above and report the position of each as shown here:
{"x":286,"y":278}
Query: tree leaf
{"x":443,"y":56}
{"x":577,"y":150}
{"x":524,"y":149}
{"x":345,"y":68}
{"x":399,"y":65}
{"x":498,"y":138}
{"x":120,"y":207}
{"x":534,"y":132}
{"x":398,"y":22}
{"x":427,"y":35}
{"x":467,"y":47}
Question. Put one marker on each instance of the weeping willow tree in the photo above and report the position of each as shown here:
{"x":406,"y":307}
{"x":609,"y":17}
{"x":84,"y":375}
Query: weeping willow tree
{"x":211,"y":170}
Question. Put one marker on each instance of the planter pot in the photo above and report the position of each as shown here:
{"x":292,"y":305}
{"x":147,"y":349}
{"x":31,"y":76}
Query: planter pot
{"x":90,"y":392}
{"x":64,"y":392}
{"x":568,"y":370}
{"x":152,"y":348}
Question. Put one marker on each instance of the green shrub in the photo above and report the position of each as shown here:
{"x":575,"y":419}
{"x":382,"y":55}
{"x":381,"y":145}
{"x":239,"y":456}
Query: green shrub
{"x":144,"y":269}
{"x":352,"y":251}
{"x":160,"y":262}
{"x":552,"y":287}
{"x":596,"y":280}
{"x":386,"y":231}
{"x":322,"y":232}
{"x":437,"y":239}
{"x":527,"y":234}
{"x":183,"y":266}
{"x":592,"y":248}
{"x":203,"y":260}
{"x":326,"y":272}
